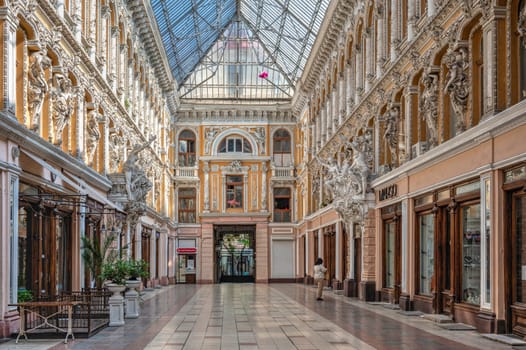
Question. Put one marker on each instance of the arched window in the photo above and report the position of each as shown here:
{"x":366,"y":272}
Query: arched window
{"x":235,"y":144}
{"x":282,"y":148}
{"x":187,"y":148}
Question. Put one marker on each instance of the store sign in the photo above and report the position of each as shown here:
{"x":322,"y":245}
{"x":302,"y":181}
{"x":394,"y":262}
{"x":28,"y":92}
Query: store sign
{"x":186,"y":250}
{"x":388,"y":192}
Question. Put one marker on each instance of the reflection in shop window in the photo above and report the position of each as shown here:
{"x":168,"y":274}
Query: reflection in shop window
{"x":471,"y":254}
{"x":234,"y":191}
{"x":427,"y":248}
{"x":389,"y":254}
{"x":187,"y":207}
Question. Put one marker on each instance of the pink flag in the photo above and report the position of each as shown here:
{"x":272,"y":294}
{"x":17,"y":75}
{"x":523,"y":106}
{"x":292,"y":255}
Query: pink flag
{"x":263,"y":74}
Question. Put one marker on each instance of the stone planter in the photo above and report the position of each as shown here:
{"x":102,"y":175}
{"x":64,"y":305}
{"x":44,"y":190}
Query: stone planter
{"x":116,"y":303}
{"x":132,"y":299}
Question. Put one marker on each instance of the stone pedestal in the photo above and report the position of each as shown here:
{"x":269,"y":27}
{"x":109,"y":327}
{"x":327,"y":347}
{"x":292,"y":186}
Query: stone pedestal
{"x":132,"y":299}
{"x":116,"y":303}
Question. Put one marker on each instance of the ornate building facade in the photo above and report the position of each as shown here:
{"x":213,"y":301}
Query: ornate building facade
{"x":395,"y":153}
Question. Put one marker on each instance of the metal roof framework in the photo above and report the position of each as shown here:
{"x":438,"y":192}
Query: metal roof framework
{"x":238,"y":49}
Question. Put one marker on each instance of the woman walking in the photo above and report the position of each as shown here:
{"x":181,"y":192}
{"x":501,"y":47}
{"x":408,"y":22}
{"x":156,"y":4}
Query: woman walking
{"x":319,"y":276}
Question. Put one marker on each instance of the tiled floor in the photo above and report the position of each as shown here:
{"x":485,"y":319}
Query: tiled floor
{"x":259,"y":316}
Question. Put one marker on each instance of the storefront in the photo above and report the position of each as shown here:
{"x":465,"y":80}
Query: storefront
{"x":515,"y":250}
{"x":391,"y":254}
{"x":186,"y":260}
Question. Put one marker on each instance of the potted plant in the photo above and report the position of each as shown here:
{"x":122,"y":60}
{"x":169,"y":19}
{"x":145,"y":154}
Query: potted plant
{"x":137,"y":270}
{"x":95,"y":255}
{"x":24,"y":295}
{"x":116,"y":273}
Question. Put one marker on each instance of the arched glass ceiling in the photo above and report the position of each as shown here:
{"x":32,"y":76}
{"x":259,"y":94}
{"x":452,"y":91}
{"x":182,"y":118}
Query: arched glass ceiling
{"x":284,"y":29}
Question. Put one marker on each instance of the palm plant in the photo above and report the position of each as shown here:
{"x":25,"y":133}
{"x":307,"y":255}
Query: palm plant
{"x":96,"y":255}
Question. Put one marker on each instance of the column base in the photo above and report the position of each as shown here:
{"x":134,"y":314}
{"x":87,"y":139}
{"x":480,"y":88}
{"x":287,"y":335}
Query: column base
{"x":367,"y":291}
{"x":350,"y":288}
{"x":405,"y":302}
{"x":10,"y":324}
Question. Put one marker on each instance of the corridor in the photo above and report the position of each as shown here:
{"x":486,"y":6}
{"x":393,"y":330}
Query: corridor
{"x":259,"y":316}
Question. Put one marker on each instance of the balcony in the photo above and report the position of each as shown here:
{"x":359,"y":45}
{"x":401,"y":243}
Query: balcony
{"x":186,"y":172}
{"x":278,"y":171}
{"x":282,"y":215}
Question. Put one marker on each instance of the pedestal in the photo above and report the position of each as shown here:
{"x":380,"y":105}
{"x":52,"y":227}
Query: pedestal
{"x":350,"y":288}
{"x":132,"y":299}
{"x":116,"y":303}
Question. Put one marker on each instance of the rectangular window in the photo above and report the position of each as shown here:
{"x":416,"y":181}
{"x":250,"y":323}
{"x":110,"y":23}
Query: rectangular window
{"x":282,"y":205}
{"x":471,"y":254}
{"x":426,"y":225}
{"x":486,"y":242}
{"x":234,"y":191}
{"x":186,"y":209}
{"x":13,"y":238}
{"x":390,"y":236}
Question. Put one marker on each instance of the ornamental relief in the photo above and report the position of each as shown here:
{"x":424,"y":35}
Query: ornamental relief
{"x":457,"y":85}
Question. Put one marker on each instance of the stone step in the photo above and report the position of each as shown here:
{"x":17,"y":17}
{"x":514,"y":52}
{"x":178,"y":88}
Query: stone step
{"x":457,"y":327}
{"x":438,"y":318}
{"x":508,"y":339}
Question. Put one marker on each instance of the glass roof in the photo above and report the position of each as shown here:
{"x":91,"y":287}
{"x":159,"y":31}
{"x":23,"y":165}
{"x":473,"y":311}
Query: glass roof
{"x":208,"y":41}
{"x":237,"y":67}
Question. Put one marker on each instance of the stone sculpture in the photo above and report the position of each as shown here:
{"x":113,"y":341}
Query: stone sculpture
{"x":38,"y":87}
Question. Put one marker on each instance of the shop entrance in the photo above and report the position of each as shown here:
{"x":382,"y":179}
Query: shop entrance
{"x":516,"y":268}
{"x":234,"y":251}
{"x":443,"y":252}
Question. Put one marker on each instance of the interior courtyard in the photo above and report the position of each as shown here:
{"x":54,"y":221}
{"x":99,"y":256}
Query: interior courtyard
{"x":212,"y":151}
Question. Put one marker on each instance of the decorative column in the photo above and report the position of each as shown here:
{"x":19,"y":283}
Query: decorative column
{"x":80,"y":119}
{"x":323,"y":124}
{"x":411,"y":20}
{"x":335,"y":111}
{"x":264,"y":191}
{"x":59,"y":6}
{"x":9,"y":23}
{"x":106,"y":142}
{"x":245,"y":192}
{"x":328,"y":115}
{"x":369,"y":57}
{"x":431,"y":8}
{"x":411,"y":95}
{"x":494,"y":40}
{"x":341,"y":93}
{"x":380,"y":49}
{"x":350,"y":89}
{"x":77,"y":19}
{"x":395,"y":29}
{"x":206,"y":170}
{"x":359,"y":74}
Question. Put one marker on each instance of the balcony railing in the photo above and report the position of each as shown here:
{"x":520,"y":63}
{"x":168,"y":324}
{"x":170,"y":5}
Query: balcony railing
{"x":186,"y":172}
{"x":282,"y":215}
{"x":283,"y":171}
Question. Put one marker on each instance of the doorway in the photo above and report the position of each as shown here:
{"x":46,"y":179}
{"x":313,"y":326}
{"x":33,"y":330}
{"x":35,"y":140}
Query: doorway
{"x":516,"y":276}
{"x":234,"y":251}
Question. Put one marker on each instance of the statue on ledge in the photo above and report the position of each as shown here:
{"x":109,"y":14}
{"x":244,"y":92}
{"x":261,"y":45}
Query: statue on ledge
{"x":137,"y":183}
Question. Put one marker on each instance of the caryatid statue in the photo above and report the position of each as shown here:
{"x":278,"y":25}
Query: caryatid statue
{"x":38,"y":87}
{"x":137,"y":183}
{"x":61,"y":94}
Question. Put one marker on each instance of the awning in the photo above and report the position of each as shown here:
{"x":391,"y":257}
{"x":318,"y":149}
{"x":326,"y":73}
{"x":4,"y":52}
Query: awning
{"x":78,"y":184}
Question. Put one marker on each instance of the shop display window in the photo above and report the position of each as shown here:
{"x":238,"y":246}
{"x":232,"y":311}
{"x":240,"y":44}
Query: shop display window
{"x":390,"y":254}
{"x":426,"y":225}
{"x":471,"y":254}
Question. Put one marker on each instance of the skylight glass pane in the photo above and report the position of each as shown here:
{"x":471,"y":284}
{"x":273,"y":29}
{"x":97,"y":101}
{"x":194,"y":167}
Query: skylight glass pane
{"x":237,"y":67}
{"x":191,"y":32}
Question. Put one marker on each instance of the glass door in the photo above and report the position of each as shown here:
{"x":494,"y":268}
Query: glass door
{"x":517,"y":311}
{"x":235,"y":257}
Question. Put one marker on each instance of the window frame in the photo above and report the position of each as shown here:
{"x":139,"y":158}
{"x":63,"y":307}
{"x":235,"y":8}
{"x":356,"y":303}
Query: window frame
{"x":190,"y":206}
